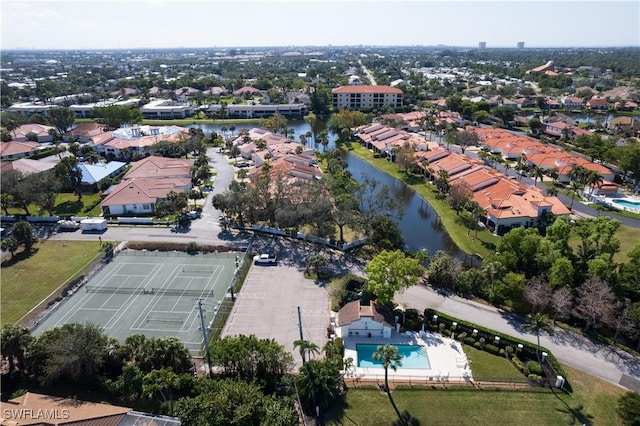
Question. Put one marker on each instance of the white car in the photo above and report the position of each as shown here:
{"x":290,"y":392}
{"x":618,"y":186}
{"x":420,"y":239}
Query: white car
{"x":264,"y":259}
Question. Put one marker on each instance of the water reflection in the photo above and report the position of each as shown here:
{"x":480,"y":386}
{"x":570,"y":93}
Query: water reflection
{"x":421,"y":227}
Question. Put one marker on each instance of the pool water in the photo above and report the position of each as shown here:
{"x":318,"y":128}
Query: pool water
{"x":413,"y":356}
{"x":627,"y":203}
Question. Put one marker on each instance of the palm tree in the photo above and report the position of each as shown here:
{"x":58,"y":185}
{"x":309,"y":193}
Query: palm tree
{"x":574,"y":190}
{"x":14,"y":341}
{"x":552,"y":191}
{"x":306,"y":348}
{"x":390,"y":357}
{"x":537,"y":173}
{"x":593,"y":179}
{"x":319,"y":383}
{"x":537,"y":323}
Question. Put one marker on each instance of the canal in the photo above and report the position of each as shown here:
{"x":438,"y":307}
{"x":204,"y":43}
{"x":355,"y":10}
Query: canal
{"x":420,"y":225}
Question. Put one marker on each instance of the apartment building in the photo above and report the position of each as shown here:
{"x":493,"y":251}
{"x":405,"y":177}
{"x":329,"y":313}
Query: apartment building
{"x":366,"y":97}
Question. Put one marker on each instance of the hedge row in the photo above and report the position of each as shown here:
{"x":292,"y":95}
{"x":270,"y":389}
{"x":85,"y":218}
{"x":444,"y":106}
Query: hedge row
{"x":528,"y":350}
{"x":166,"y":246}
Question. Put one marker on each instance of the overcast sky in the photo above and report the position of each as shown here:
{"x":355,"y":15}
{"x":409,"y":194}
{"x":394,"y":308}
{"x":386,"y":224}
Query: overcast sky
{"x":97,"y":24}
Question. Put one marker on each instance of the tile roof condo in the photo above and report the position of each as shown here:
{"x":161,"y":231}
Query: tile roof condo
{"x":366,"y":97}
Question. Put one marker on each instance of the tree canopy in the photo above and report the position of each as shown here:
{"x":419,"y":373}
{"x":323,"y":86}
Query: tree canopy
{"x":390,"y":272}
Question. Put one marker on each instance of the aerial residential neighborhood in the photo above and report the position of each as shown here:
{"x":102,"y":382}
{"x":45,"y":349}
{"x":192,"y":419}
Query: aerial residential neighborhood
{"x":383,"y":233}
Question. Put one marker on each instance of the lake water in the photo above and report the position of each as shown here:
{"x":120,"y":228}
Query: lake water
{"x":420,"y":225}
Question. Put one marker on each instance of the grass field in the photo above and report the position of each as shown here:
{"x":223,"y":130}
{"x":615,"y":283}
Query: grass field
{"x":592,"y":402}
{"x":454,"y":224}
{"x":489,"y":367}
{"x":26,"y":281}
{"x":628,"y":236}
{"x":67,"y":204}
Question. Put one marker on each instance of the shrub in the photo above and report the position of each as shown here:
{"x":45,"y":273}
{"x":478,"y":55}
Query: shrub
{"x":482,"y":340}
{"x":518,"y":364}
{"x":477,"y":345}
{"x":501,"y":352}
{"x":470,"y":341}
{"x":492,"y":349}
{"x":528,"y":351}
{"x":192,"y":247}
{"x":534,"y":368}
{"x":509,"y":351}
{"x":462,"y":336}
{"x":629,"y":408}
{"x":535,"y":380}
{"x":446,"y":333}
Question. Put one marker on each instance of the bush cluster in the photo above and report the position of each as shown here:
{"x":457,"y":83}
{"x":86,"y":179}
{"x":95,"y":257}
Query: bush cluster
{"x":484,"y":339}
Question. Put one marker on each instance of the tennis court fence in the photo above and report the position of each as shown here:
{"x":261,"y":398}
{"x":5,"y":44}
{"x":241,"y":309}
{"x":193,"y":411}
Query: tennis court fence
{"x":150,"y":291}
{"x":177,"y":253}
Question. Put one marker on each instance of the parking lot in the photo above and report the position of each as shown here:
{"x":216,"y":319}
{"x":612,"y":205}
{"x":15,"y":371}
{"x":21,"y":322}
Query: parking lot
{"x":267,"y":307}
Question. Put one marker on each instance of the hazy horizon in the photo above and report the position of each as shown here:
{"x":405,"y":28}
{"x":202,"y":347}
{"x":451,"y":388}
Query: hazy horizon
{"x":197,"y":24}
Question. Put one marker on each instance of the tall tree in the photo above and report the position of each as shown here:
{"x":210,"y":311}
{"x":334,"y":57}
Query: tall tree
{"x":390,"y":272}
{"x":72,"y":352}
{"x":561,"y":302}
{"x":536,"y":292}
{"x":23,"y":234}
{"x":68,"y":173}
{"x":114,"y":116}
{"x":594,"y":303}
{"x":537,"y":323}
{"x":61,"y":118}
{"x":14,"y":343}
{"x":390,"y":358}
{"x":306,"y":348}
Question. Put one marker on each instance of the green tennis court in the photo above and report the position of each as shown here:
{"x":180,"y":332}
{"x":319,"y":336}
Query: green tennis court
{"x":152,"y":293}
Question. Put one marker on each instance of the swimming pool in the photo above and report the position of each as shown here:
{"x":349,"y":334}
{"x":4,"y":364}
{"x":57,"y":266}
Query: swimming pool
{"x":413,"y":356}
{"x":627,"y":203}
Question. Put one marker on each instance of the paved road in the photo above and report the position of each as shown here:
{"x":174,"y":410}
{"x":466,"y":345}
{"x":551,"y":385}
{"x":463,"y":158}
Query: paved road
{"x":368,"y":73}
{"x":600,"y":360}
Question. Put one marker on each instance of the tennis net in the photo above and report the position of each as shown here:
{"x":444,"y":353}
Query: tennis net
{"x":139,"y":290}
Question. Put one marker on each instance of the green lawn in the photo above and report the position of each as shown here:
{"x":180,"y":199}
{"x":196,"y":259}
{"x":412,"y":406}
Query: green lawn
{"x":488,"y":367}
{"x":592,"y":402}
{"x":67,"y":204}
{"x":628,"y":236}
{"x":454,"y":224}
{"x":26,"y":281}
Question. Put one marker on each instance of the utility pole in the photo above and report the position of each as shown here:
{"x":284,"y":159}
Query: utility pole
{"x":204,"y":335}
{"x":301,"y":335}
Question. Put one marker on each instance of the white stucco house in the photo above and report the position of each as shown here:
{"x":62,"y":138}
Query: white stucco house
{"x":361,"y":320}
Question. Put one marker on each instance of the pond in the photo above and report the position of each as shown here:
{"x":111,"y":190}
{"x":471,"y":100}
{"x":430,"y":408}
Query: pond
{"x":420,"y":225}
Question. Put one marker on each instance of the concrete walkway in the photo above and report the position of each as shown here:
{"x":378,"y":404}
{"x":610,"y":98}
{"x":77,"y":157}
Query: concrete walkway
{"x":600,"y":360}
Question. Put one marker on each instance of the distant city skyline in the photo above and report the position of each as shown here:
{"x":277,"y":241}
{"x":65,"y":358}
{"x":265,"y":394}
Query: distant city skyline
{"x":120,"y":24}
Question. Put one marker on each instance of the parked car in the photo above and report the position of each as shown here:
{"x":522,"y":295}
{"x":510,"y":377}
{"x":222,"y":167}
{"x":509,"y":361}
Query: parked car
{"x":193,"y":214}
{"x":264,"y":259}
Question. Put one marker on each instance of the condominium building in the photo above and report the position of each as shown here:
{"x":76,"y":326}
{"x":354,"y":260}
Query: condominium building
{"x":366,"y":97}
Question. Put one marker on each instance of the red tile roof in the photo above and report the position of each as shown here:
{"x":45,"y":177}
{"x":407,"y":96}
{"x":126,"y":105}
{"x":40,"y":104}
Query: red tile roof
{"x":366,"y":89}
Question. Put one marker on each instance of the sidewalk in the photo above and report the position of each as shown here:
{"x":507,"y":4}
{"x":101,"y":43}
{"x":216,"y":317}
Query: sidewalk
{"x":600,"y":360}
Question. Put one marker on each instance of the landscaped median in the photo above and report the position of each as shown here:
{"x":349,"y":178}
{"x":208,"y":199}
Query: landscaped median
{"x":485,"y":242}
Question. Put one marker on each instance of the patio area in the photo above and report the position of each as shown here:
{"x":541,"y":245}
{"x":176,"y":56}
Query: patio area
{"x":448,"y":362}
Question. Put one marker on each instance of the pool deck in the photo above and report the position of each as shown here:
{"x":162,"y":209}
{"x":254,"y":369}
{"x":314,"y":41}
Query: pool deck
{"x":447,"y":359}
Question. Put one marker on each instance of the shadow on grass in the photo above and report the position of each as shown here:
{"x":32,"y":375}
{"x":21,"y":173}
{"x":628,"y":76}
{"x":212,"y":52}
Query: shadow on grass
{"x":69,"y":208}
{"x":337,"y":413}
{"x":489,"y":246}
{"x":23,"y":255}
{"x":407,"y":419}
{"x":411,"y":179}
{"x":578,"y":416}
